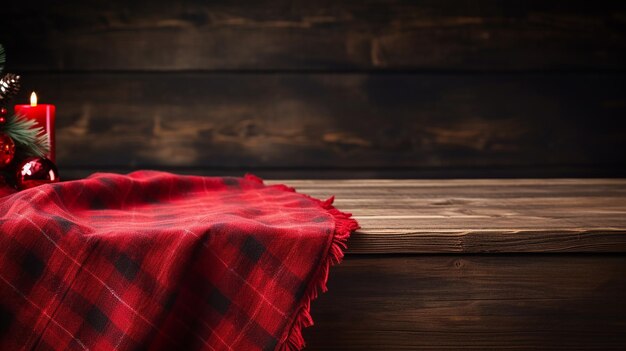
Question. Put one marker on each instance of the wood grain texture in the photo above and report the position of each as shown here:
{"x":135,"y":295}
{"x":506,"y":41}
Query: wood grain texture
{"x":386,"y":88}
{"x":312,"y":35}
{"x":480,"y":216}
{"x":565,"y":302}
{"x":346,"y":121}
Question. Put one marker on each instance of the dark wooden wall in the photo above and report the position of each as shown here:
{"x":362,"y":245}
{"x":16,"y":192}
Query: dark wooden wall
{"x":329,"y":88}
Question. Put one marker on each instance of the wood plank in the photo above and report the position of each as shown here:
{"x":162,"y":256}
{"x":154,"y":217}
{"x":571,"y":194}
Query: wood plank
{"x":480,"y":216}
{"x":346,"y":121}
{"x":566,"y":302}
{"x":78,"y":172}
{"x":483,"y":35}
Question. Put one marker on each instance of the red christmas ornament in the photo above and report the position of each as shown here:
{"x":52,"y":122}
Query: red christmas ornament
{"x":7,"y":150}
{"x":3,"y":115}
{"x":35,"y":171}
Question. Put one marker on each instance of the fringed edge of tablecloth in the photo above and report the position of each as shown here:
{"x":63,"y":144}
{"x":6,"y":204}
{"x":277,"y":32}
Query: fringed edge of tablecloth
{"x":344,"y":226}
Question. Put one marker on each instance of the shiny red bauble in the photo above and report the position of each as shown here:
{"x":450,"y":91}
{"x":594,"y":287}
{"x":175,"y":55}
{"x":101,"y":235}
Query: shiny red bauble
{"x":35,"y":171}
{"x":7,"y":150}
{"x":3,"y":115}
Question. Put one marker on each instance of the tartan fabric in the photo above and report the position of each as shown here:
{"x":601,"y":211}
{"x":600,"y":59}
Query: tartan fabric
{"x":153,"y":260}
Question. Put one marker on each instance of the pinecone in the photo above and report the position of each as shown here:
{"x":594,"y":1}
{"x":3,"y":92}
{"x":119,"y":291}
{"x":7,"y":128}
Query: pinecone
{"x":9,"y":86}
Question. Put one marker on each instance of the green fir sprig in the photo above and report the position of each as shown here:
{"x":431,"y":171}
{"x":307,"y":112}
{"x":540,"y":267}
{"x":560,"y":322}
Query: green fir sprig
{"x":30,"y":140}
{"x":3,"y":58}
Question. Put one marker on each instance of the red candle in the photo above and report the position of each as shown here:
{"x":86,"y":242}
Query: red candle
{"x":43,"y":114}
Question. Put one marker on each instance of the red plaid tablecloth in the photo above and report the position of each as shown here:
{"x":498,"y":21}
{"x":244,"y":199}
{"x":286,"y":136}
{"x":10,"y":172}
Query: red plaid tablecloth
{"x":153,"y":260}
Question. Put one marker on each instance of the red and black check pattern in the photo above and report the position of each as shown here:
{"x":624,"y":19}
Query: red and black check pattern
{"x":153,"y":260}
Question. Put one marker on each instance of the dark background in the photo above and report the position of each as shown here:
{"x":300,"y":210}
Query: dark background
{"x":318,"y":88}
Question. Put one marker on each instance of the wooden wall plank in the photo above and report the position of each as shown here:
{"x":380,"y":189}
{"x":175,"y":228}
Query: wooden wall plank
{"x":481,"y":35}
{"x":479,"y":216}
{"x":403,"y":103}
{"x":346,"y":121}
{"x":472,"y":302}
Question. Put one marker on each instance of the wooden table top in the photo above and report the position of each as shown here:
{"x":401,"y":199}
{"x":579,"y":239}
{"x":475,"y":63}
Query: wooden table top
{"x":480,"y":216}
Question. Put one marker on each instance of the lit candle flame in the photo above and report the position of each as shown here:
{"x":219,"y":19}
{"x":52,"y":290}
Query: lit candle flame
{"x":33,"y":99}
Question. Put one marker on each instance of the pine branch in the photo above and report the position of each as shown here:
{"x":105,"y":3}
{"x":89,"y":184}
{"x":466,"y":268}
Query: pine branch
{"x":29,"y":139}
{"x":2,"y":58}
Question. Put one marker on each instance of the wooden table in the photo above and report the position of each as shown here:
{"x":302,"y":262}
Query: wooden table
{"x":446,"y":264}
